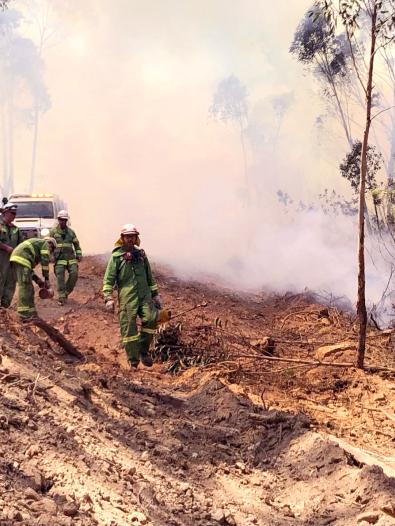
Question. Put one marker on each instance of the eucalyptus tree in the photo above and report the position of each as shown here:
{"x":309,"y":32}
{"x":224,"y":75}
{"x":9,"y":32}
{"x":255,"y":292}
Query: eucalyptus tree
{"x":376,"y":18}
{"x":230,"y":105}
{"x":21,"y":86}
{"x":327,"y":55}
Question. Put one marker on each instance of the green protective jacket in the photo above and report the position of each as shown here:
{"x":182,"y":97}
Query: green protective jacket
{"x":31,"y":252}
{"x":68,"y":247}
{"x":9,"y":235}
{"x":131,"y":273}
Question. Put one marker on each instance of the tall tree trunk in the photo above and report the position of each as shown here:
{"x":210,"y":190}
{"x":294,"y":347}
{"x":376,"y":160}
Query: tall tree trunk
{"x":36,"y":122}
{"x":34,"y":148}
{"x":391,"y":160}
{"x":325,"y":67}
{"x":361,"y":304}
{"x":245,"y":166}
{"x":391,"y":172}
{"x":10,"y":179}
{"x":5,"y":150}
{"x":344,"y":123}
{"x":9,"y":137}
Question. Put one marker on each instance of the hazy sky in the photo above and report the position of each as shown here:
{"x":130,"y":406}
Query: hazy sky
{"x":131,"y":84}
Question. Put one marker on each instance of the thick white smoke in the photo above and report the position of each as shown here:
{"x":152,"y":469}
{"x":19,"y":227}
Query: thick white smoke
{"x":129,"y":138}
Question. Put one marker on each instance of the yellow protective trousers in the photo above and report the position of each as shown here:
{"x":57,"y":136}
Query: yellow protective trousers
{"x":66,"y":287}
{"x":7,"y":281}
{"x":26,"y":307}
{"x":137,"y":343}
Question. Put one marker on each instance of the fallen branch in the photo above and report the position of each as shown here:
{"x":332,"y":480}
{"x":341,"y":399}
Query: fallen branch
{"x":198,"y":306}
{"x":374,"y":322}
{"x":301,"y":342}
{"x":317,"y":363}
{"x":289,"y":316}
{"x":57,"y":337}
{"x":379,"y":410}
{"x":33,"y":393}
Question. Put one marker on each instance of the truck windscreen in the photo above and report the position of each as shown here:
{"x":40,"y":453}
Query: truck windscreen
{"x":43,"y":209}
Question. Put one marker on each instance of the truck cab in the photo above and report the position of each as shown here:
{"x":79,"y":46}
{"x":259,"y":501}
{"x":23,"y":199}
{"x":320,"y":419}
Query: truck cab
{"x":36,"y":212}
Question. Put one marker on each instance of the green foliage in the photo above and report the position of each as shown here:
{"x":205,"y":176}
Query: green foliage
{"x":333,"y":203}
{"x":330,"y":58}
{"x":315,"y":43}
{"x":329,"y":202}
{"x":350,"y":168}
{"x":351,"y":13}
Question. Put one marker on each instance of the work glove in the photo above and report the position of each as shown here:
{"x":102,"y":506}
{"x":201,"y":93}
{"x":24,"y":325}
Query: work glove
{"x":109,"y":305}
{"x":157,"y":301}
{"x":79,"y":258}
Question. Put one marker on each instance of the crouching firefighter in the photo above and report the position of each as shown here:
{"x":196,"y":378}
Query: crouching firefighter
{"x":129,"y":270}
{"x":25,"y":257}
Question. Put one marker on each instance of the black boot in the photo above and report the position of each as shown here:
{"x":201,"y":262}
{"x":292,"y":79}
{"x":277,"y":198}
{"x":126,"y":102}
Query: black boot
{"x":146,"y":359}
{"x":133,"y":365}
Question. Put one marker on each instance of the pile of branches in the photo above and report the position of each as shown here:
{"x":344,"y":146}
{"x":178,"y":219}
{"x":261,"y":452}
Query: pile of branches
{"x":198,"y":349}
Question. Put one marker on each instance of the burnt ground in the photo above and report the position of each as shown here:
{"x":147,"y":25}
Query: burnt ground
{"x":213,"y":434}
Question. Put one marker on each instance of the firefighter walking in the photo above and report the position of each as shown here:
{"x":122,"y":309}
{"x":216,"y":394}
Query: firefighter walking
{"x":68,"y":255}
{"x":129,"y":271}
{"x":25,"y":257}
{"x":10,"y":237}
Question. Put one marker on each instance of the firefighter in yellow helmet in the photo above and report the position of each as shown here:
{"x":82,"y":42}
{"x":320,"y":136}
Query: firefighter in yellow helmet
{"x":129,"y":271}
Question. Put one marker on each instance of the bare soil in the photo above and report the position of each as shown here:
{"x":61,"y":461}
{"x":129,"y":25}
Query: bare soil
{"x":213,"y":434}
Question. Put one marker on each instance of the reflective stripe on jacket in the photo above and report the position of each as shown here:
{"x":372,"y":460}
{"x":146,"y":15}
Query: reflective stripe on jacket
{"x":68,"y":246}
{"x":10,"y":235}
{"x":131,"y":273}
{"x":31,"y":252}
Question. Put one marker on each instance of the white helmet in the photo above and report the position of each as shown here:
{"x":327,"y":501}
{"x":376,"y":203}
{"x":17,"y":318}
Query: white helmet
{"x":63,"y":214}
{"x":129,"y":229}
{"x":10,"y":206}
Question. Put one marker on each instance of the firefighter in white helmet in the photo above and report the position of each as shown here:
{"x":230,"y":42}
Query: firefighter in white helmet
{"x":68,"y":255}
{"x":10,"y":237}
{"x":129,"y":271}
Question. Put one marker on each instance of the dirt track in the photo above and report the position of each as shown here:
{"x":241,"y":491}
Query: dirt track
{"x":240,"y":441}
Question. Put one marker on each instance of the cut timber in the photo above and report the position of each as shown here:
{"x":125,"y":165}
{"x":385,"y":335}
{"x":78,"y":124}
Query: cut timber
{"x":387,"y":464}
{"x":57,"y":337}
{"x":328,"y":350}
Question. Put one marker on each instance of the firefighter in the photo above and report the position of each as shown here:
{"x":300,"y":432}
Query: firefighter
{"x":68,"y":255}
{"x":25,"y":257}
{"x":10,"y":237}
{"x":129,"y":270}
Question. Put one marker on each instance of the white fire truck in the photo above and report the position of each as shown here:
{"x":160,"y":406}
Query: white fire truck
{"x":36,"y":212}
